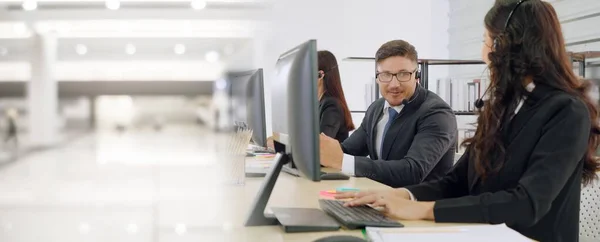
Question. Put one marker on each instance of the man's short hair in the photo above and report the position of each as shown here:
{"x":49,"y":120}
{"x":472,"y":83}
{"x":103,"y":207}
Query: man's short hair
{"x":396,"y":48}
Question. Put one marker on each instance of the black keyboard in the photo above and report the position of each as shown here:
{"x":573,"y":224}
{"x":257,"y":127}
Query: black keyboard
{"x":356,"y":217}
{"x":258,"y":149}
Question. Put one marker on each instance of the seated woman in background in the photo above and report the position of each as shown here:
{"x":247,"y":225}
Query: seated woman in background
{"x":335,"y":119}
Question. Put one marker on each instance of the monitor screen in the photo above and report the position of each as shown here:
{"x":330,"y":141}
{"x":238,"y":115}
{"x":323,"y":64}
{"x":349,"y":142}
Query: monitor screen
{"x":295,"y":108}
{"x":248,"y":104}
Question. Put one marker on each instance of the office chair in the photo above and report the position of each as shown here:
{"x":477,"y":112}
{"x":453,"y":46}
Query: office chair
{"x":589,"y":220}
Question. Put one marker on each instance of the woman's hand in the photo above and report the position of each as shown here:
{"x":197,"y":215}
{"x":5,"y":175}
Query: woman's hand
{"x":395,"y":203}
{"x":403,"y":193}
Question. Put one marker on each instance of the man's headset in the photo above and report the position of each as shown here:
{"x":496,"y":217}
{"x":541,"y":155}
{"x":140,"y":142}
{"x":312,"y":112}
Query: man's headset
{"x":418,"y":74}
{"x":479,"y":102}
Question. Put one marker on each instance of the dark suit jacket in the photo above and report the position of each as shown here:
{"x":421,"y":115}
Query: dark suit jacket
{"x":331,"y":119}
{"x":537,"y":191}
{"x":419,"y":145}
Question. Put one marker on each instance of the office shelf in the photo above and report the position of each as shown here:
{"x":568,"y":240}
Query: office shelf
{"x":581,"y":57}
{"x":464,"y":113}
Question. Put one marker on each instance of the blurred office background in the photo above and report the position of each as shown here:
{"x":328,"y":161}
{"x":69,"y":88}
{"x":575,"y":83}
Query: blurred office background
{"x":71,"y":67}
{"x":115,"y":98}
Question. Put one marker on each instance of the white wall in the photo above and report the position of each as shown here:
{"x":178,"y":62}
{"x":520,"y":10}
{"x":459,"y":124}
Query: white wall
{"x":579,"y":22}
{"x":354,"y":28}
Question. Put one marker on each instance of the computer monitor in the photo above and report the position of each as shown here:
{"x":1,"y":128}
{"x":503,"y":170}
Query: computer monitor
{"x":295,"y":116}
{"x":248,"y":102}
{"x":295,"y":123}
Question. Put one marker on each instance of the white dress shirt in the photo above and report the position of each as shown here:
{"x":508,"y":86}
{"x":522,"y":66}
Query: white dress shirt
{"x":529,"y":88}
{"x":348,"y":161}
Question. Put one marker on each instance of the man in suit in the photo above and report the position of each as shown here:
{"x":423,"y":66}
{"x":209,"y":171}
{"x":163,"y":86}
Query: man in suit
{"x":409,"y":135}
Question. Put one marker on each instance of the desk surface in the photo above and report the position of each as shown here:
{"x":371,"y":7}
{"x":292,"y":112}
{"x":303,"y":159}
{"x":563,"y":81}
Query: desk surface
{"x":289,"y":191}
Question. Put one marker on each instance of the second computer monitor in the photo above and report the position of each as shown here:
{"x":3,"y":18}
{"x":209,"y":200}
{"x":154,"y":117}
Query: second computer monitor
{"x":248,"y":102}
{"x":295,"y":108}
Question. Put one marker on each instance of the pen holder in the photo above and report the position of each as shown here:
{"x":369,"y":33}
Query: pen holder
{"x":233,"y":167}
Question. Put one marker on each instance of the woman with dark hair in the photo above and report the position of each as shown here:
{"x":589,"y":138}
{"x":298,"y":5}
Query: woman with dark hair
{"x":535,"y":141}
{"x":335,"y":118}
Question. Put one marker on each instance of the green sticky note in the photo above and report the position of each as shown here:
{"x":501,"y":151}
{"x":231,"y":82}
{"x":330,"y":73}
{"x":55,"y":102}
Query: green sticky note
{"x":347,"y":189}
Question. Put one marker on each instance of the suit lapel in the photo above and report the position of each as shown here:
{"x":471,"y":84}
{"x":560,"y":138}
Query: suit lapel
{"x":519,"y":121}
{"x":528,"y":110}
{"x":374,"y":121}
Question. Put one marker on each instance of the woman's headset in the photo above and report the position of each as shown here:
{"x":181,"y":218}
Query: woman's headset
{"x":322,"y":74}
{"x":479,"y":102}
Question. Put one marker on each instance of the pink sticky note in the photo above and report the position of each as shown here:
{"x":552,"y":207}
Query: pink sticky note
{"x":327,"y":194}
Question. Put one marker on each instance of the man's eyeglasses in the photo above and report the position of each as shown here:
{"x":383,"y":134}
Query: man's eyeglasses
{"x":402,"y":76}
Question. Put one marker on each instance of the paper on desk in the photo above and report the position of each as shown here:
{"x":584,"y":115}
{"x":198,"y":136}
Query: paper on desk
{"x":488,"y":233}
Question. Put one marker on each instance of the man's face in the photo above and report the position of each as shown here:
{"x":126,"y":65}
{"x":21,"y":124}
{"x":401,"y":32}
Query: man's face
{"x":395,"y":88}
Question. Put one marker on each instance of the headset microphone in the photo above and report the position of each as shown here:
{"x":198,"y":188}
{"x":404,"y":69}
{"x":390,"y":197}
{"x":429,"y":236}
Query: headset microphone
{"x":406,"y":101}
{"x":479,"y":102}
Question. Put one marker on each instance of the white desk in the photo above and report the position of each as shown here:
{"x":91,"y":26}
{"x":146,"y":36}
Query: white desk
{"x":289,"y":191}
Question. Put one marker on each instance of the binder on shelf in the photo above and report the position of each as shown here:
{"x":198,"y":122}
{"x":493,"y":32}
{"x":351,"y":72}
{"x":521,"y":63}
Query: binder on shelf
{"x":473,"y":94}
{"x":471,"y":97}
{"x":443,"y":89}
{"x":462,"y":95}
{"x":454,"y":100}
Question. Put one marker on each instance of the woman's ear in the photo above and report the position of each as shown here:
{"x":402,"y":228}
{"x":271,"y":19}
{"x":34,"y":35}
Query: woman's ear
{"x":321,"y":74}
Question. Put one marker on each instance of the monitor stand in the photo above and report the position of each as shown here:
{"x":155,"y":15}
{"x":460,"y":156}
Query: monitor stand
{"x":293,"y":219}
{"x":257,"y":213}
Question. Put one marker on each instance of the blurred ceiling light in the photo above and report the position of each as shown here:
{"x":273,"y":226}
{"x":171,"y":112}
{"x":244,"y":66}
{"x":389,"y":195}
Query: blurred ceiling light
{"x":29,"y":5}
{"x":113,"y":4}
{"x":130,"y":49}
{"x":20,"y":28}
{"x":81,"y":49}
{"x":3,"y":51}
{"x":212,"y":56}
{"x":198,"y":4}
{"x":179,"y":49}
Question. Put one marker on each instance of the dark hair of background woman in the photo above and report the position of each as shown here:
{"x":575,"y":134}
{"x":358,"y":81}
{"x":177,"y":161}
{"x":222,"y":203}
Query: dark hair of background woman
{"x":531,"y":46}
{"x":332,"y":83}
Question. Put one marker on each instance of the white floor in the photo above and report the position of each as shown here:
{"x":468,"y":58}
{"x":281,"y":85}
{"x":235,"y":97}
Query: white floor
{"x":141,"y":186}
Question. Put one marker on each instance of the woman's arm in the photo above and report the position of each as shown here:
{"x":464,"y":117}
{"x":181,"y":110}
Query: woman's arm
{"x":454,"y":184}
